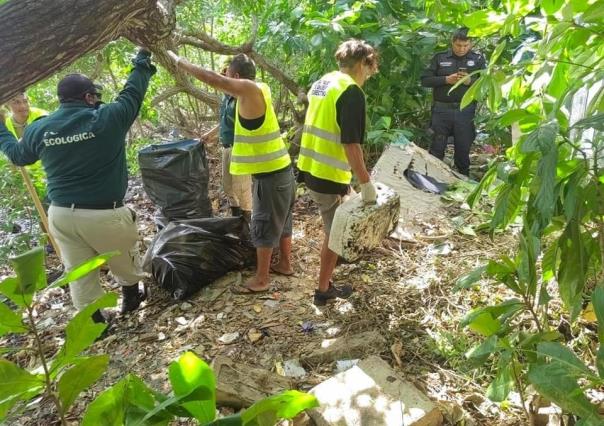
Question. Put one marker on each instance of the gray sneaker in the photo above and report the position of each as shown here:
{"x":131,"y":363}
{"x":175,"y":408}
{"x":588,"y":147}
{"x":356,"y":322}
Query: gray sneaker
{"x":342,"y":292}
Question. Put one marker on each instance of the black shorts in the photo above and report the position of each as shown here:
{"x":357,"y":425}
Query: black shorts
{"x":273,"y":199}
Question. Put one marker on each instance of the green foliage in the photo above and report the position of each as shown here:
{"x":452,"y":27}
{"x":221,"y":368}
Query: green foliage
{"x":130,"y":402}
{"x":69,"y":373}
{"x":551,"y":184}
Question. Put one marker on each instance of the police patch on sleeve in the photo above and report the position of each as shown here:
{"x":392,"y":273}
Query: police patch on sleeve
{"x":471,"y":63}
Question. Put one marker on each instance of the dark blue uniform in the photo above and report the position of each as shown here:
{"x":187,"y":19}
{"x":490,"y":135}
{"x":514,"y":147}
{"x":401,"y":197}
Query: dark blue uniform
{"x":447,"y":119}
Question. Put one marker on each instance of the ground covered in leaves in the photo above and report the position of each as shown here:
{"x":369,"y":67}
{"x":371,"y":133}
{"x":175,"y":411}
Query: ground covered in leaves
{"x":404,"y":291}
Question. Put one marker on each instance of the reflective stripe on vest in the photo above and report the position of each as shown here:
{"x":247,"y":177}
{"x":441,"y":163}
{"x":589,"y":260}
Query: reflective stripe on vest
{"x":261,"y":150}
{"x":321,"y":151}
{"x":34,"y":114}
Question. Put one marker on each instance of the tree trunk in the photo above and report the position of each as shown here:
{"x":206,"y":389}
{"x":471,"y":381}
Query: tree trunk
{"x":40,"y":37}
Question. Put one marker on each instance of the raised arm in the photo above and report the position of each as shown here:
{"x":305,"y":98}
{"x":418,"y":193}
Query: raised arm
{"x":248,"y":94}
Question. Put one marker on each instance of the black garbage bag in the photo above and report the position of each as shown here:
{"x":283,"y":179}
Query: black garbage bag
{"x":175,"y":177}
{"x":190,"y":254}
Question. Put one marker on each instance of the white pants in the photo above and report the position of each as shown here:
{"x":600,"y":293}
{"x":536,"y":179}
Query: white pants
{"x":238,"y":188}
{"x":82,"y":234}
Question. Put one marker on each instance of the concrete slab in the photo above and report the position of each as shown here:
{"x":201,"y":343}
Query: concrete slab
{"x":240,"y":385}
{"x":346,"y":347}
{"x":372,"y":393}
{"x":415,"y":205}
{"x":358,"y":227}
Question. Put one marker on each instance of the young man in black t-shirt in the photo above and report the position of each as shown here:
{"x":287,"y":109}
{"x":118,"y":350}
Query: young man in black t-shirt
{"x":326,"y":168}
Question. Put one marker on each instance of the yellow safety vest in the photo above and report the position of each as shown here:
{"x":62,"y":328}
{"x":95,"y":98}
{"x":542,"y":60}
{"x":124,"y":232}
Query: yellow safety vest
{"x":34,"y":114}
{"x":321,"y":151}
{"x":261,"y":150}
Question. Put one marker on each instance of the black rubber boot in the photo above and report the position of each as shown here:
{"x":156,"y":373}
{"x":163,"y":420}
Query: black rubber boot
{"x":236,"y":211}
{"x":131,"y":298}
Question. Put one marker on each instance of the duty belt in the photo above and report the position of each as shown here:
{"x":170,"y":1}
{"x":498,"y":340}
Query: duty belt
{"x":107,"y":206}
{"x":447,"y":105}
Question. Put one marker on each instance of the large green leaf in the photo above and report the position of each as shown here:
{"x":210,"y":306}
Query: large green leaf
{"x":562,"y":354}
{"x":554,"y":383}
{"x":79,"y":377}
{"x":188,"y":374}
{"x":84,"y":268}
{"x":507,"y":206}
{"x":503,"y":383}
{"x":31,"y":276}
{"x":551,"y":6}
{"x":286,"y":405}
{"x":484,"y":22}
{"x":597,"y":300}
{"x":82,"y":331}
{"x":125,"y":403}
{"x":593,"y":122}
{"x":482,"y":322}
{"x":16,"y":384}
{"x":484,"y":184}
{"x":595,"y":13}
{"x":571,"y":273}
{"x":545,"y":199}
{"x":541,"y":139}
{"x":470,"y":279}
{"x":483,"y":350}
{"x":10,"y":322}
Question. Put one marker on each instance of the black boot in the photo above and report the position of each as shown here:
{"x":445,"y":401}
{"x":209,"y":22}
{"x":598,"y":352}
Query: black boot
{"x":131,"y":298}
{"x":98,"y":317}
{"x":236,"y":211}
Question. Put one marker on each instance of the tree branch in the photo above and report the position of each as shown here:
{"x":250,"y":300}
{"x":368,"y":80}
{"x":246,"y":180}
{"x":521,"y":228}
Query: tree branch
{"x":206,"y":42}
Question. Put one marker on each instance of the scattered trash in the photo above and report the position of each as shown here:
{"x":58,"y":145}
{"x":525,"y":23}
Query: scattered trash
{"x":307,"y":327}
{"x":229,"y":338}
{"x":254,"y":335}
{"x":292,"y":368}
{"x":257,"y":308}
{"x":161,"y":336}
{"x":332,"y":331}
{"x":345,"y":364}
{"x":46,"y":323}
{"x":443,"y":249}
{"x":271,"y":303}
{"x":220,"y":316}
{"x":181,"y":320}
{"x":185,"y":306}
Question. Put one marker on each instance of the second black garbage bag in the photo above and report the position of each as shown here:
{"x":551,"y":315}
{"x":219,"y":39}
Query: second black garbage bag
{"x":175,"y":177}
{"x":188,"y":255}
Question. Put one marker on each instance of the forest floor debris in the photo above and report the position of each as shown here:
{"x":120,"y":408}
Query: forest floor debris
{"x":404,"y":294}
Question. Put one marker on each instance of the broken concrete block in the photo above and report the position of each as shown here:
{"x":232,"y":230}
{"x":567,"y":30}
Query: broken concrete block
{"x":416,"y":205}
{"x":358,"y":227}
{"x":372,"y":393}
{"x":348,"y":347}
{"x":240,"y":385}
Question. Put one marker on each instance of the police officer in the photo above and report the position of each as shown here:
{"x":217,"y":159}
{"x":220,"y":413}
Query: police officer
{"x":446,"y":69}
{"x":82,"y":147}
{"x":258,"y":150}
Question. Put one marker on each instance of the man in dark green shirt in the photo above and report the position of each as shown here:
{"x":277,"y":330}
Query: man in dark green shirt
{"x":83,"y":151}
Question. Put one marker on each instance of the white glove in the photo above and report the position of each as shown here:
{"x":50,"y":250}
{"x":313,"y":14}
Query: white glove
{"x":368,"y":193}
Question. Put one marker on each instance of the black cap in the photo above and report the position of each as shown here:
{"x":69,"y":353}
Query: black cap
{"x":73,"y":87}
